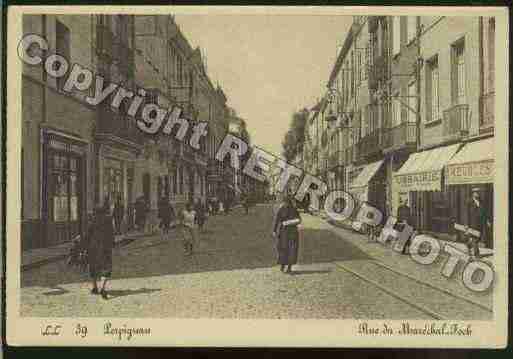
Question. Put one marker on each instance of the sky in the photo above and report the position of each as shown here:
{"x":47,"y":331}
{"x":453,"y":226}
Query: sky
{"x":269,"y":66}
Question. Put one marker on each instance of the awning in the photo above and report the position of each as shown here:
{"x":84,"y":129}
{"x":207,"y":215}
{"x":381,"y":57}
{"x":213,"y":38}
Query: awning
{"x":360,"y":186}
{"x":423,"y":170}
{"x":473,"y":164}
{"x":365,"y":176}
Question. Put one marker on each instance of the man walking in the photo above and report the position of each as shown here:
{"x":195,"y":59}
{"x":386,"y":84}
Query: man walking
{"x":478,"y":220}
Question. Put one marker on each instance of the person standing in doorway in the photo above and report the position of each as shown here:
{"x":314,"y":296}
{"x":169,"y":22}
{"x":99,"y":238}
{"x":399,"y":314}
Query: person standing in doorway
{"x":285,"y":230}
{"x":478,"y":220}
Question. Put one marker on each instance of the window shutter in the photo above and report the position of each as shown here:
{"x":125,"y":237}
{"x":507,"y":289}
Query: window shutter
{"x":396,"y":31}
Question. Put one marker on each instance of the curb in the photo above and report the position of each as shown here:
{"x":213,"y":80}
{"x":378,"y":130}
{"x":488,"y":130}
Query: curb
{"x":122,"y":242}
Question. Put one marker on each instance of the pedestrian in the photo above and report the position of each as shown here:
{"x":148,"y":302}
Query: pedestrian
{"x":403,"y":219}
{"x":285,"y":229}
{"x":199,"y":208}
{"x":189,"y":228}
{"x":164,"y":213}
{"x":118,"y":214}
{"x":478,"y":220}
{"x":100,"y":242}
{"x":306,"y":203}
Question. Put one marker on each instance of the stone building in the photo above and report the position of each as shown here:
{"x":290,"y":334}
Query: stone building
{"x":76,"y":156}
{"x":409,"y":115}
{"x":67,"y":144}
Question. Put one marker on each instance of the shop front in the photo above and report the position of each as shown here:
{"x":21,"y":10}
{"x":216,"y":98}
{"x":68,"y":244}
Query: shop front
{"x":64,"y":187}
{"x":369,"y":186}
{"x":473,"y":167}
{"x":421,"y":180}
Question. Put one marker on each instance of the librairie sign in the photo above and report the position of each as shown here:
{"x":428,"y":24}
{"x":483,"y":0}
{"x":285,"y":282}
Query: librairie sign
{"x":422,"y":181}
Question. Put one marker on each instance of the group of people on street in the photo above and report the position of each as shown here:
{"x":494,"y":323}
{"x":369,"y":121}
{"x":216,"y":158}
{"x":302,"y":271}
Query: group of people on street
{"x":477,"y":229}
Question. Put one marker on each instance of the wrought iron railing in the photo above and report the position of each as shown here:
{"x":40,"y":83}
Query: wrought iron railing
{"x":455,"y":120}
{"x":370,"y":143}
{"x":401,"y":135}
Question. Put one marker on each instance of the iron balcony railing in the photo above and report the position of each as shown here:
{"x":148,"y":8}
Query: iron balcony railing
{"x":399,"y":136}
{"x":370,"y":143}
{"x":455,"y":121}
{"x":119,"y":125}
{"x":488,"y":110}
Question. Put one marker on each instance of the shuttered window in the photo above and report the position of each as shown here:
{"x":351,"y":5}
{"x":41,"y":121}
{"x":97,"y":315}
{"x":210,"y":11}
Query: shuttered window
{"x":411,"y":28}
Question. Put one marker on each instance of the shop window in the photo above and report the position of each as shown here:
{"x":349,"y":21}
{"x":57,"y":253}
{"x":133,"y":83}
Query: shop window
{"x":64,"y":190}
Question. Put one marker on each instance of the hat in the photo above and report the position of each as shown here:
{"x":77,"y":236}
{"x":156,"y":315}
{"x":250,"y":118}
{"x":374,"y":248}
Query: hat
{"x":476,"y":189}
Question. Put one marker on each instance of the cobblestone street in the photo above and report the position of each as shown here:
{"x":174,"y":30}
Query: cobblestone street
{"x":233,"y":275}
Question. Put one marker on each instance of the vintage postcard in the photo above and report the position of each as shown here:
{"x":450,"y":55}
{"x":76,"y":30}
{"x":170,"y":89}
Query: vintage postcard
{"x":257,"y":176}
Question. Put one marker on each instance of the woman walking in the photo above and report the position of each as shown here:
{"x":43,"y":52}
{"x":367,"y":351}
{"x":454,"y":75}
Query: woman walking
{"x":100,"y":242}
{"x":285,"y":228}
{"x":189,"y":230}
{"x":201,"y":214}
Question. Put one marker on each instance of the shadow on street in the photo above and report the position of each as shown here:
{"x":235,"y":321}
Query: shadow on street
{"x":232,"y":242}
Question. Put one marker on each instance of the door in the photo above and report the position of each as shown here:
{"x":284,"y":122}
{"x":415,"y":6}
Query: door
{"x":65,"y":182}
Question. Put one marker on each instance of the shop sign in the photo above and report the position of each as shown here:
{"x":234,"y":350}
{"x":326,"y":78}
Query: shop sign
{"x":423,"y":181}
{"x":470,"y":173}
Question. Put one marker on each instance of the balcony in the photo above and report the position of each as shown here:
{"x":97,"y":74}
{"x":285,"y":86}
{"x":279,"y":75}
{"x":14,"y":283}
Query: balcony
{"x":370,"y":144}
{"x":104,"y":41}
{"x":488,"y":112}
{"x":398,"y":137}
{"x":119,"y":128}
{"x":455,"y":121}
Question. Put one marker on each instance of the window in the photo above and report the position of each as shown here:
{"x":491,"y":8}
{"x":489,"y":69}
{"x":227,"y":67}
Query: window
{"x":64,"y":186}
{"x":432,"y":91}
{"x":412,"y":102}
{"x":411,"y":28}
{"x":458,"y":72}
{"x":491,"y":55}
{"x":179,"y":70}
{"x":396,"y":31}
{"x":396,"y":111}
{"x":62,"y":47}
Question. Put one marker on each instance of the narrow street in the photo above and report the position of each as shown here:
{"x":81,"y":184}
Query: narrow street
{"x":233,"y":274}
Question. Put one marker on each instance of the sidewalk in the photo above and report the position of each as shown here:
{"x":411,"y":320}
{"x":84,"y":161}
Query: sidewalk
{"x":37,"y":257}
{"x":486,"y":253}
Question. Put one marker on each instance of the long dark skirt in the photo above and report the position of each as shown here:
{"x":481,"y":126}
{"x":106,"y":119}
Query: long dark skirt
{"x":288,"y":246}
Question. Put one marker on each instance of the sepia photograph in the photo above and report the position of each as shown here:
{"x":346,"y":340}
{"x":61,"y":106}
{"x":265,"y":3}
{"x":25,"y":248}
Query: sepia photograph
{"x":257,"y":176}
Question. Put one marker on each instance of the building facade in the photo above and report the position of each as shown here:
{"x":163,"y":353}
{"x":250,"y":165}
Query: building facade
{"x":76,"y":156}
{"x":409,"y":116}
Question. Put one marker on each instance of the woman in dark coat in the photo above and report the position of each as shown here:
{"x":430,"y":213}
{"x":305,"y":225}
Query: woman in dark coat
{"x":100,"y":242}
{"x":285,"y":228}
